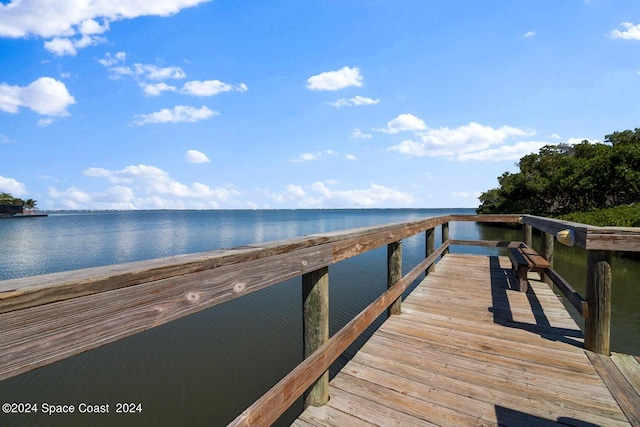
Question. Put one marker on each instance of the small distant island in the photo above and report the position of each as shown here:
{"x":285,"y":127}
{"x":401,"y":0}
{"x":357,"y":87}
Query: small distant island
{"x":14,"y":207}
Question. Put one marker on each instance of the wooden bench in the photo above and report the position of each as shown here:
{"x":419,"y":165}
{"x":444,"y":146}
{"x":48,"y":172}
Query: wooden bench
{"x":524,"y":260}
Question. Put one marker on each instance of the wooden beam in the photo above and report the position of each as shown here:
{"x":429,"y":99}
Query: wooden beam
{"x":445,"y":236}
{"x":598,"y":324}
{"x":315,"y":305}
{"x":430,"y":247}
{"x":280,"y":397}
{"x":569,"y":292}
{"x":394,"y":273}
{"x":37,"y":336}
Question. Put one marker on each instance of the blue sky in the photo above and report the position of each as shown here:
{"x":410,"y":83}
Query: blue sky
{"x":195,"y":104}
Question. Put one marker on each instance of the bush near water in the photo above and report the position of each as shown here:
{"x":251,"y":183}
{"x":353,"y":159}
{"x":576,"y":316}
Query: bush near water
{"x":591,"y":183}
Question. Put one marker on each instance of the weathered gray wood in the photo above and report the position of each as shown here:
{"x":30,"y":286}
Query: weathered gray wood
{"x":508,"y":218}
{"x":620,"y":388}
{"x":430,"y":247}
{"x":315,"y":304}
{"x":569,"y":292}
{"x":36,"y":336}
{"x":523,"y":260}
{"x":598,"y":324}
{"x":487,"y":243}
{"x":547,"y":251}
{"x":394,"y":273}
{"x":527,"y":235}
{"x":274,"y":402}
{"x":445,"y":235}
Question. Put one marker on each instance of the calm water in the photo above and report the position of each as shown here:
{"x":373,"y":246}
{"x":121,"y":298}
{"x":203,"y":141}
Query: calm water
{"x":207,"y":368}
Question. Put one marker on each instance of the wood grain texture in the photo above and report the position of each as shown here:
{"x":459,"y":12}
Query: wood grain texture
{"x":469,"y":349}
{"x":40,"y":335}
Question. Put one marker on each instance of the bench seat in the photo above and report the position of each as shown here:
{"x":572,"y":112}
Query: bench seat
{"x":524,"y":260}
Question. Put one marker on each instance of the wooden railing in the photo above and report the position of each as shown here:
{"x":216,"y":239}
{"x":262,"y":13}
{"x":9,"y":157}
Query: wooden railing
{"x":51,"y":317}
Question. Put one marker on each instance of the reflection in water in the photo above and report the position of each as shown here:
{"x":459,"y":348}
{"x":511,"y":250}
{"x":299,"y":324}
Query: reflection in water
{"x":208,"y":367}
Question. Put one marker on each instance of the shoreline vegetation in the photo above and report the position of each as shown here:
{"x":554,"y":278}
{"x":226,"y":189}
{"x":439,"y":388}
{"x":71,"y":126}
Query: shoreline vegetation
{"x":590,"y":183}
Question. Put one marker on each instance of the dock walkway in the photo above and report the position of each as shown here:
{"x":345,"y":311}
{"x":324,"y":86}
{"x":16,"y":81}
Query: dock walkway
{"x":469,"y":349}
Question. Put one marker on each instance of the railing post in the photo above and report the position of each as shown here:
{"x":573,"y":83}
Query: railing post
{"x":445,"y":236}
{"x":598,"y":323}
{"x":547,"y":252}
{"x":430,"y":238}
{"x":394,"y":273}
{"x":315,"y":304}
{"x":527,"y":235}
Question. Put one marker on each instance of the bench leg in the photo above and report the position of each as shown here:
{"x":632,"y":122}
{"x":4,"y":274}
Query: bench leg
{"x":522,"y":274}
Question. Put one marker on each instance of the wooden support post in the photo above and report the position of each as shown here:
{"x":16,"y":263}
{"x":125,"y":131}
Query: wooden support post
{"x":315,"y":304}
{"x":394,"y":273}
{"x":547,"y":252}
{"x":527,"y":235}
{"x":445,"y":236}
{"x":598,"y":323}
{"x":430,"y":238}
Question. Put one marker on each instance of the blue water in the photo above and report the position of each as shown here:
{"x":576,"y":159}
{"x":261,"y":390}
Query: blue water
{"x":205,"y":369}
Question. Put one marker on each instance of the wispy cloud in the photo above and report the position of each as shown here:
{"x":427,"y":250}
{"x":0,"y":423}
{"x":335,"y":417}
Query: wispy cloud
{"x":210,"y":88}
{"x":358,"y":134}
{"x":626,"y":31}
{"x":335,"y":80}
{"x":180,"y":113}
{"x":529,"y":34}
{"x":355,"y":101}
{"x":469,"y":142}
{"x":306,"y":157}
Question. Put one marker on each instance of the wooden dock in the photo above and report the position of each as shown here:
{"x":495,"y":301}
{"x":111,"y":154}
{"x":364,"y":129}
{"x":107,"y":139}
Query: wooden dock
{"x":469,"y":349}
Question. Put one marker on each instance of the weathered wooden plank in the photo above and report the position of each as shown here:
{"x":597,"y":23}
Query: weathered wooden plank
{"x":597,"y":336}
{"x":620,"y":388}
{"x":329,"y":416}
{"x":509,"y":218}
{"x":571,"y":294}
{"x":275,"y":401}
{"x":486,"y":243}
{"x":37,"y":336}
{"x":629,"y":367}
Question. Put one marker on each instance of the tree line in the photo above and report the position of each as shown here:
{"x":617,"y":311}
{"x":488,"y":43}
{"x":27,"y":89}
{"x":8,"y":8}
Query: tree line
{"x":565,"y":178}
{"x":8,"y":199}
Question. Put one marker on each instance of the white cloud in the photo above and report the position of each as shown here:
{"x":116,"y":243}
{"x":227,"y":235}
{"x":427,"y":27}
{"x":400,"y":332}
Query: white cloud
{"x":626,"y":31}
{"x":465,"y":139}
{"x":64,"y":46}
{"x":148,"y":71}
{"x":45,"y":96}
{"x":148,"y":187}
{"x":350,"y":157}
{"x":403,"y":123}
{"x":305,"y":157}
{"x":156,"y":89}
{"x":52,"y":19}
{"x":180,"y":113}
{"x":334,"y":80}
{"x":355,"y":101}
{"x":45,"y":122}
{"x":574,"y":141}
{"x":321,"y":196}
{"x":357,"y":134}
{"x":109,"y":60}
{"x":4,"y":139}
{"x":10,"y":185}
{"x":210,"y":88}
{"x":554,"y":136}
{"x":195,"y":156}
{"x":504,"y":152}
{"x":529,"y":34}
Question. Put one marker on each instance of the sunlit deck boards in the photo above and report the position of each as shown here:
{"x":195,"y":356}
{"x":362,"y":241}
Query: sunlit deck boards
{"x":470,"y":349}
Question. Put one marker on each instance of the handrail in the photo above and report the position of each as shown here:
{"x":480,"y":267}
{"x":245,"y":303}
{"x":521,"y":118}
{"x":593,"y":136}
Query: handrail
{"x":76,"y":311}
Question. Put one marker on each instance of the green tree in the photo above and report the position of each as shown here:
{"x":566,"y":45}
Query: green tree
{"x":567,"y":178}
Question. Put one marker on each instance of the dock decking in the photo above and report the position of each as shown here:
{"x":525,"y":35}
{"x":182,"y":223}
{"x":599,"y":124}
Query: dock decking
{"x":470,"y":349}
